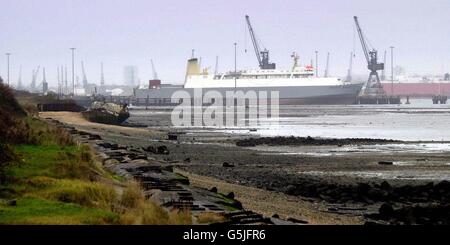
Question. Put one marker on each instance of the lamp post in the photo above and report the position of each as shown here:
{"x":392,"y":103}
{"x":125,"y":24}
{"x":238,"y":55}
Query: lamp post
{"x":7,"y":67}
{"x":392,"y":70}
{"x":317,"y":63}
{"x":235,"y":65}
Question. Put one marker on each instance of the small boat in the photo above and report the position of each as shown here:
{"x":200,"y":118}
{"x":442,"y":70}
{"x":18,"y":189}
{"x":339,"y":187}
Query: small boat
{"x":107,"y":113}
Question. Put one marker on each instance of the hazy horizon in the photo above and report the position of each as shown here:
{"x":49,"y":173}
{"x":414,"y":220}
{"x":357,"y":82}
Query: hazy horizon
{"x":120,"y":33}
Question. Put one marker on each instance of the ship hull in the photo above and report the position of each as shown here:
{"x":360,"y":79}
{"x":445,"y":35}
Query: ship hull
{"x":105,"y":117}
{"x":416,"y":89}
{"x":298,"y":95}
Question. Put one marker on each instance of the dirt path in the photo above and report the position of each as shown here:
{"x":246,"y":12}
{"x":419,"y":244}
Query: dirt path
{"x":75,"y":119}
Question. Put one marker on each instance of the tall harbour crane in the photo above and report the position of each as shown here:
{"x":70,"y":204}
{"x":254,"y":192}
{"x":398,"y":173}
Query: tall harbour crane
{"x":44,"y":82}
{"x":85,"y":81}
{"x":262,"y":56}
{"x":34,"y":77}
{"x":102,"y":75}
{"x":19,"y":81}
{"x":373,"y":85}
{"x":155,"y":75}
{"x":350,"y":69}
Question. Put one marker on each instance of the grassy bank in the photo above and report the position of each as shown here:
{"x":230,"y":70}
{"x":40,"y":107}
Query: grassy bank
{"x":46,"y":178}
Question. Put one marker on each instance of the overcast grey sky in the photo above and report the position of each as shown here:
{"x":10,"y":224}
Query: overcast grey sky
{"x":131,"y":32}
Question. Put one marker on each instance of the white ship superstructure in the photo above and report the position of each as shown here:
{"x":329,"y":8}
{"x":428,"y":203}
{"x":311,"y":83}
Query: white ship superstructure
{"x":298,"y":76}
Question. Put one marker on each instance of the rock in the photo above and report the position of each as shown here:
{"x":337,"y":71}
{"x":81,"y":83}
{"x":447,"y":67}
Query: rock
{"x":227,"y":165}
{"x":298,"y":221}
{"x":214,"y":189}
{"x":187,"y":160}
{"x":12,"y":202}
{"x":385,"y":163}
{"x":276,"y":216}
{"x":163,"y":150}
{"x":385,"y":185}
{"x":95,"y":137}
{"x":362,"y":189}
{"x":230,"y":195}
{"x":443,"y":185}
{"x":172,"y":136}
{"x":290,"y":189}
{"x":150,"y":149}
{"x":386,"y":210}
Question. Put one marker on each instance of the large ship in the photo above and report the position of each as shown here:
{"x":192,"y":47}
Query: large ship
{"x":297,"y":85}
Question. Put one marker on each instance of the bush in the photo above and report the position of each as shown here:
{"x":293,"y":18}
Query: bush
{"x":9,"y":102}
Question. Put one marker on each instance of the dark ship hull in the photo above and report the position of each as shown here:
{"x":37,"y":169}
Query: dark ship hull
{"x":107,"y":113}
{"x":105,"y":117}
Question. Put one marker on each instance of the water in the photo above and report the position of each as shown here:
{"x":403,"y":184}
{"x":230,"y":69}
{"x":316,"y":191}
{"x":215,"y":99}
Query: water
{"x":423,"y":126}
{"x":393,"y":174}
{"x":419,"y":121}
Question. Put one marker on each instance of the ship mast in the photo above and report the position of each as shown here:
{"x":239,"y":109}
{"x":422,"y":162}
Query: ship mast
{"x":327,"y":66}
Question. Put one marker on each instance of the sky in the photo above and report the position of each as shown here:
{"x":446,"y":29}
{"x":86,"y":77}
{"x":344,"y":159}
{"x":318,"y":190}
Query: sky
{"x":132,"y":32}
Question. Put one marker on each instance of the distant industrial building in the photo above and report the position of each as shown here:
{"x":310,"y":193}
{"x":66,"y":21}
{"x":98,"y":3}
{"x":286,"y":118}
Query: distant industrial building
{"x":130,"y":75}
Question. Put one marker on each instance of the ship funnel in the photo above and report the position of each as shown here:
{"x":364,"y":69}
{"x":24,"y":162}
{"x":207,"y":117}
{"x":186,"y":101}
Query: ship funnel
{"x":193,"y":68}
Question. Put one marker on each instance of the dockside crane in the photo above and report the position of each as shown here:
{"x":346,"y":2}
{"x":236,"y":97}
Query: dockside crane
{"x":262,"y":56}
{"x":33,"y":78}
{"x":85,"y":81}
{"x":350,"y":69}
{"x":44,"y":82}
{"x":102,"y":75}
{"x":19,"y":81}
{"x":373,"y":85}
{"x":155,"y":75}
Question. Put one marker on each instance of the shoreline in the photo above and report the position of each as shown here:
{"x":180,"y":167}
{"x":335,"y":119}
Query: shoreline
{"x":356,"y":197}
{"x":268,"y":203}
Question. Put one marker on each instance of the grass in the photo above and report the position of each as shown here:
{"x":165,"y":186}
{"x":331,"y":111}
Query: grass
{"x":210,"y":217}
{"x":66,"y":180}
{"x":41,"y":211}
{"x":141,"y":211}
{"x":55,"y":181}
